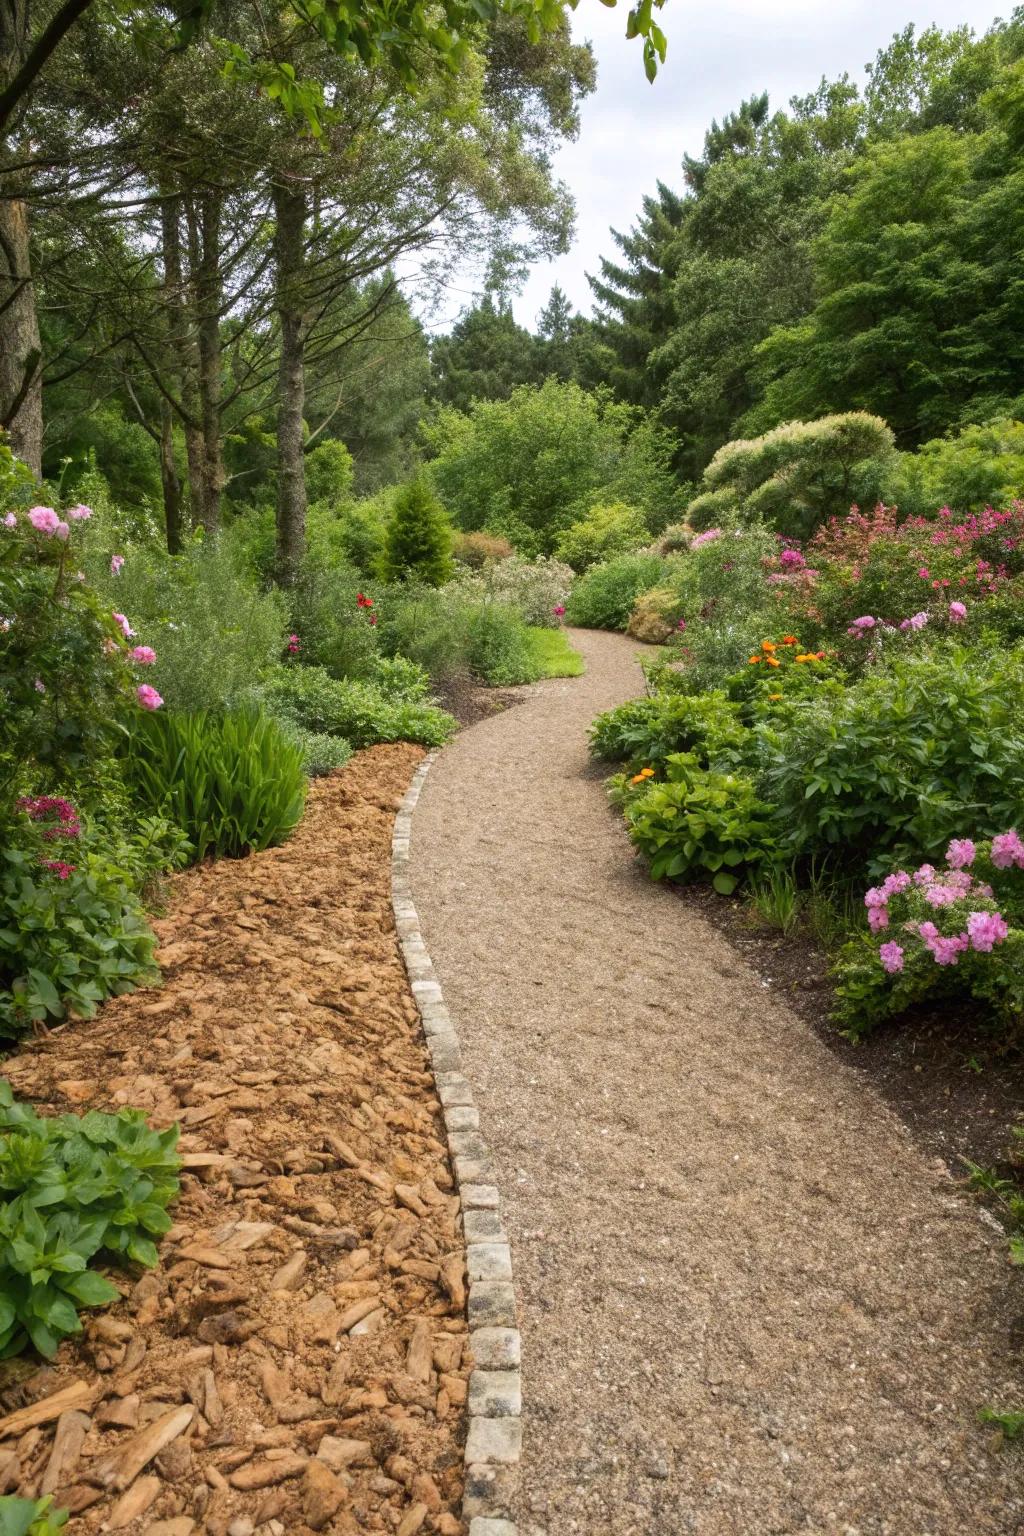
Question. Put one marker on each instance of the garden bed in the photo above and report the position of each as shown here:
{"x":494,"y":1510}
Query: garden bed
{"x":296,"y":1361}
{"x":946,"y":1071}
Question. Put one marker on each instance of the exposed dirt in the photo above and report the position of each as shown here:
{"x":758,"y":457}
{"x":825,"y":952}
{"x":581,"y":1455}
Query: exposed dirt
{"x":752,"y":1303}
{"x":297,"y":1361}
{"x":470,"y":701}
{"x":954,"y":1080}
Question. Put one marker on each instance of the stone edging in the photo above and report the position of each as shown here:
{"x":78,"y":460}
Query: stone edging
{"x":495,"y":1431}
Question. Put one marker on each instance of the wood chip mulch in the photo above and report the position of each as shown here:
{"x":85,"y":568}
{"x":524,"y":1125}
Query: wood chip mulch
{"x":297,"y":1362}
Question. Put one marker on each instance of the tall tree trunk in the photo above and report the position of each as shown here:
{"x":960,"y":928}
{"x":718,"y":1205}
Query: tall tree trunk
{"x":21,"y":356}
{"x":204,"y":259}
{"x":169,"y":479}
{"x":182,"y":345}
{"x":290,"y":258}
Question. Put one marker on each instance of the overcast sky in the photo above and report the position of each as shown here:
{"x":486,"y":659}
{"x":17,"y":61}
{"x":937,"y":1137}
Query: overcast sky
{"x":634,"y":134}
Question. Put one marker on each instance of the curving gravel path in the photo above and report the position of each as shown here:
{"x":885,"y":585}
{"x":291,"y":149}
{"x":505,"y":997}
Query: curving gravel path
{"x":749,"y":1303}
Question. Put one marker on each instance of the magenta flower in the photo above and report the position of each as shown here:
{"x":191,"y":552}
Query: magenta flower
{"x":294,"y":645}
{"x":792,"y":560}
{"x":681,"y":625}
{"x":957,"y":612}
{"x":1007,"y":850}
{"x":58,"y":867}
{"x":116,"y":562}
{"x":44,"y":520}
{"x":558,"y":610}
{"x":924,"y":573}
{"x":891,"y":956}
{"x":126,"y":628}
{"x":878,"y":918}
{"x":148,"y":697}
{"x":961,"y":853}
{"x":78,"y":514}
{"x":986,"y":929}
{"x":707,"y":537}
{"x":144,"y":655}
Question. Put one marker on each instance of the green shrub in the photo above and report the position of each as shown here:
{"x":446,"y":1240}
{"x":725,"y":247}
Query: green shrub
{"x":900,"y":762}
{"x":360,"y":712}
{"x":701,"y":824}
{"x":234,"y":783}
{"x":425,"y":625}
{"x":334,"y":632}
{"x":644,"y":732}
{"x":498,"y":647}
{"x":321,"y":753}
{"x":71,"y":929}
{"x":401,"y":678}
{"x":604,"y":598}
{"x":536,"y":588}
{"x":606,"y":531}
{"x":73,"y":1187}
{"x":418,"y":542}
{"x":980,"y":466}
{"x":30,"y":1517}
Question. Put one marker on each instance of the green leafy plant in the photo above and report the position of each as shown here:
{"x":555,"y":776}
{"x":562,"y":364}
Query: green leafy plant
{"x":701,"y":824}
{"x":605,"y":596}
{"x":30,"y":1517}
{"x":74,"y":1187}
{"x":498,"y":647}
{"x":360,"y":712}
{"x":605,"y":531}
{"x":644,"y":732}
{"x":234,"y":783}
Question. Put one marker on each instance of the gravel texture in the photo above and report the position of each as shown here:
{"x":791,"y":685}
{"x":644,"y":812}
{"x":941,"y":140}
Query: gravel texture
{"x":749,"y":1302}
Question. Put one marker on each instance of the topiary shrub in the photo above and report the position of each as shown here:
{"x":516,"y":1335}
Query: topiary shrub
{"x":418,"y":543}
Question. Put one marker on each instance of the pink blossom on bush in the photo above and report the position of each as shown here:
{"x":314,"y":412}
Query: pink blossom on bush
{"x":126,"y":628}
{"x":792,"y":560}
{"x":58,"y":867}
{"x":925,"y":875}
{"x":39,"y":685}
{"x":895,"y":883}
{"x":862,"y":625}
{"x":707,"y":537}
{"x":294,"y":645}
{"x":558,"y":610}
{"x":924,"y":573}
{"x":957,"y":612}
{"x":1007,"y":850}
{"x":78,"y":514}
{"x":116,"y":562}
{"x":941,"y":895}
{"x":148,"y":697}
{"x":11,"y":520}
{"x":961,"y":853}
{"x":681,"y":625}
{"x":62,"y":531}
{"x":878,"y":918}
{"x":875,"y":897}
{"x":891,"y":956}
{"x":144,"y":655}
{"x":986,"y":929}
{"x":44,"y":520}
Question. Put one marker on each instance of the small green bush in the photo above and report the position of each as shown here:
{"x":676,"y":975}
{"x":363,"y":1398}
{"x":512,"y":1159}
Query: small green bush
{"x":401,"y":678}
{"x":498,"y":647}
{"x":73,"y":1187}
{"x":234,"y":783}
{"x":644,"y":732}
{"x":606,"y":531}
{"x":701,"y":824}
{"x":321,"y":753}
{"x":426,"y":626}
{"x":31,"y":1517}
{"x":418,"y":542}
{"x":605,"y":596}
{"x":360,"y":712}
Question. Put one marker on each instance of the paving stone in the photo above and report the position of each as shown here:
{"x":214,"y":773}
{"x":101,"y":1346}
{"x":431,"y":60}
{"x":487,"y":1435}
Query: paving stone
{"x":445,"y":1053}
{"x":495,"y":1394}
{"x":492,"y":1304}
{"x":462,"y":1117}
{"x":481,"y":1525}
{"x":469,"y":1144}
{"x":454,"y":1092}
{"x":489,"y":1492}
{"x":483,"y":1227}
{"x":489,"y":1261}
{"x":494,"y":1441}
{"x":495,"y":1349}
{"x":479,"y":1197}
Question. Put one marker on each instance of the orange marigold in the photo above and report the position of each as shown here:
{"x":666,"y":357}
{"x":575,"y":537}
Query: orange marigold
{"x":769,"y":646}
{"x":752,"y":659}
{"x":772,"y":661}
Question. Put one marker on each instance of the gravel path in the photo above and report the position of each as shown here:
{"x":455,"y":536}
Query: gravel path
{"x":749,"y":1303}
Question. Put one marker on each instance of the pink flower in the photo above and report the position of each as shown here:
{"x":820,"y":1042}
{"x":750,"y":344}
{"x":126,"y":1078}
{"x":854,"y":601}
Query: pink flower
{"x":918,"y":621}
{"x":126,"y":628}
{"x":116,"y":562}
{"x":1007,"y":849}
{"x":144,"y":655}
{"x":62,"y":530}
{"x":960,"y":853}
{"x":148,"y":697}
{"x":878,"y":918}
{"x":58,"y":867}
{"x":986,"y":929}
{"x":941,"y":895}
{"x":895,"y":883}
{"x":862,"y":625}
{"x":558,"y":610}
{"x":78,"y":514}
{"x":924,"y":573}
{"x":294,"y":645}
{"x":707,"y":537}
{"x":792,"y":559}
{"x":10,"y":521}
{"x":948,"y":951}
{"x":681,"y":625}
{"x":957,"y":612}
{"x":891,"y":956}
{"x":925,"y":875}
{"x":44,"y":520}
{"x":39,"y":685}
{"x":875,"y":897}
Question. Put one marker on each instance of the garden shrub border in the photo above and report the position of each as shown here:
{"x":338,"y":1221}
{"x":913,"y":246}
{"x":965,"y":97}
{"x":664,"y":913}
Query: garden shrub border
{"x":494,"y":1440}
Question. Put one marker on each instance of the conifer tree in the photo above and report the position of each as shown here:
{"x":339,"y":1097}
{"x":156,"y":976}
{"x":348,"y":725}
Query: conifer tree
{"x":418,"y":543}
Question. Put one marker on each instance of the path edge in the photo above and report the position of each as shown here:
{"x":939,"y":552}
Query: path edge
{"x":494,"y":1440}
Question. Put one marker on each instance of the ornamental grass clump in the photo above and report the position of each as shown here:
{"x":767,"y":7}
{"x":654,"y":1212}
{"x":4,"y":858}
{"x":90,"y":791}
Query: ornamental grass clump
{"x":955,"y":930}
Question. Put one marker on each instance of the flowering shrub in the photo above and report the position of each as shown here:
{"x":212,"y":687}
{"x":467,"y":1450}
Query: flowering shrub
{"x":950,"y":931}
{"x":700,"y":824}
{"x":534,"y":588}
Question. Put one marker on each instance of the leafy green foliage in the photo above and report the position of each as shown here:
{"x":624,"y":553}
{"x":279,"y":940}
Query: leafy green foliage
{"x":235,"y":783}
{"x":30,"y":1517}
{"x":981,"y":466}
{"x":701,"y":824}
{"x":362,"y":713}
{"x":74,"y":1187}
{"x":645,"y":732}
{"x":604,"y":597}
{"x":418,"y":542}
{"x":606,"y":531}
{"x":498,"y":649}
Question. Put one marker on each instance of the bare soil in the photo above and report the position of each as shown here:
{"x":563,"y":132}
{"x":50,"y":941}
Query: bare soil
{"x":752,"y":1300}
{"x":297,"y":1360}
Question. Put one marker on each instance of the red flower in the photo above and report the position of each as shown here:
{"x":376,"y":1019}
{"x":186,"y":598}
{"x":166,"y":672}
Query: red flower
{"x":363,"y":601}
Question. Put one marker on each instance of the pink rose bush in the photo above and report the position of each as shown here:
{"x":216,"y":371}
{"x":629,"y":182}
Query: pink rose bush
{"x":954,"y":930}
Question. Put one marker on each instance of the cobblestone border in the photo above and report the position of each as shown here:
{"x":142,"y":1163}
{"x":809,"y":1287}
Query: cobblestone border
{"x":494,"y":1442}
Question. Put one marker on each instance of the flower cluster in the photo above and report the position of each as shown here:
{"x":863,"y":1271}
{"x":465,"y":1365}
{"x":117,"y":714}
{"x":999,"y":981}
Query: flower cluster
{"x":294,"y":645}
{"x":366,"y":603}
{"x":707,"y":537}
{"x":642,"y":776}
{"x":43,"y":807}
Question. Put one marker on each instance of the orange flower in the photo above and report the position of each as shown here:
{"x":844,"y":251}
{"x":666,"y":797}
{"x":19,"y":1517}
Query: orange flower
{"x":752,"y":659}
{"x":769,"y":646}
{"x":642,"y":776}
{"x":772,"y":662}
{"x":774,"y":697}
{"x":790,"y":640}
{"x":807,"y":656}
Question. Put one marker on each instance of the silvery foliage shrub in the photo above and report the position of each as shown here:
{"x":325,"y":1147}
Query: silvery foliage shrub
{"x":534,"y":588}
{"x":724,"y":596}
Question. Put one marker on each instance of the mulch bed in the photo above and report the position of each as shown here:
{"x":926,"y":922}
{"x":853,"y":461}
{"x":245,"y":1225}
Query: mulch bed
{"x":297,"y":1361}
{"x":955,"y":1082}
{"x":470,"y":701}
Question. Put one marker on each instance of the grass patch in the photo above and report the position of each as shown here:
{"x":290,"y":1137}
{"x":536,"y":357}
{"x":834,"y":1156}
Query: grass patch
{"x":553,"y":654}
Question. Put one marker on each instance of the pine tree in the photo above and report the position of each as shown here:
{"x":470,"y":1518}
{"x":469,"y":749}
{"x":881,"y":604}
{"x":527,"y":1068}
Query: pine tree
{"x":418,"y":542}
{"x":485,"y":357}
